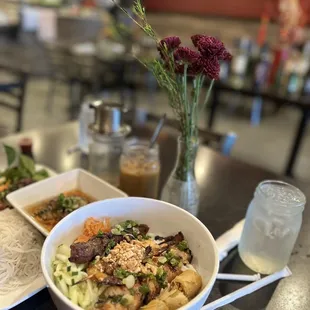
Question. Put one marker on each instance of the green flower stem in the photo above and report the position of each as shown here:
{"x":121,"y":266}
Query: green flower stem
{"x":208,"y":94}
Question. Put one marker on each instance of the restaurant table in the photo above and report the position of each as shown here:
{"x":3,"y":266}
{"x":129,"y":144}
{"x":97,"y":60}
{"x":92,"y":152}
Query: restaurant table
{"x":300,"y":102}
{"x":226,"y":186}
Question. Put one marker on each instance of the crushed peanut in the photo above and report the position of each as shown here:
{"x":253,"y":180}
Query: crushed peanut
{"x":127,"y":256}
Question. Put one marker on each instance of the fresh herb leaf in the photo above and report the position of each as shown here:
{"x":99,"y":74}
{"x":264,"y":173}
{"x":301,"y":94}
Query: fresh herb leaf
{"x":27,"y":163}
{"x":144,"y":289}
{"x":10,"y":154}
{"x":182,"y":246}
{"x":40,"y":175}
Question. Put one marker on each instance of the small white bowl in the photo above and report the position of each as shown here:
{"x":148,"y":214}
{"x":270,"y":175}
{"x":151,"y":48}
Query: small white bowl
{"x":54,"y":186}
{"x":163,"y":218}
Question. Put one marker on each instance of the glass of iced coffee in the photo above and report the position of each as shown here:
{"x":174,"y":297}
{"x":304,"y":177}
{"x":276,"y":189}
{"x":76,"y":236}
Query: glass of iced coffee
{"x":139,"y":169}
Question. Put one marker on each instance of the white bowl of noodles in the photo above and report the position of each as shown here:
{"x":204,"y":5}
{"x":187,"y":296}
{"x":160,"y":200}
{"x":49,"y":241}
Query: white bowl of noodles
{"x":163,"y":219}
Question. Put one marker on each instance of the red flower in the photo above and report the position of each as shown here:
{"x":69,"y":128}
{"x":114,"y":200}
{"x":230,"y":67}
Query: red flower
{"x":196,"y":67}
{"x":196,"y":38}
{"x":171,"y":43}
{"x":211,"y":68}
{"x":212,"y":47}
{"x":185,"y":55}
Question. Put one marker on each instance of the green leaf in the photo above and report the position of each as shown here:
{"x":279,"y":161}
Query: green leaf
{"x":10,"y":154}
{"x":13,"y":174}
{"x":40,"y":175}
{"x":27,"y":163}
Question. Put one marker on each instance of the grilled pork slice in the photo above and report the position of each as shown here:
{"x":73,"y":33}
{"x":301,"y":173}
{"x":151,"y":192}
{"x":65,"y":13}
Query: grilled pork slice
{"x":172,"y":272}
{"x":85,"y":252}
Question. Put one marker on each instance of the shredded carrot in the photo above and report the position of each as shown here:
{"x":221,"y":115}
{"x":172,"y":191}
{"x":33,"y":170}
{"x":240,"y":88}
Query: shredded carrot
{"x":4,"y":186}
{"x":92,"y":227}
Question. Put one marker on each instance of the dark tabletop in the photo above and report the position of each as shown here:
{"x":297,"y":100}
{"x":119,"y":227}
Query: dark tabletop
{"x":226,"y":185}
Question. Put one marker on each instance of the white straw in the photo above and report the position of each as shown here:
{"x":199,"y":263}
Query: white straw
{"x":238,"y":277}
{"x":229,"y":239}
{"x":250,"y":288}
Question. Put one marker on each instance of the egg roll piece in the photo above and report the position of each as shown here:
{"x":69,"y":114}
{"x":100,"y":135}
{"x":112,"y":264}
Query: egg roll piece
{"x":189,"y":282}
{"x":174,"y":299}
{"x":155,"y":305}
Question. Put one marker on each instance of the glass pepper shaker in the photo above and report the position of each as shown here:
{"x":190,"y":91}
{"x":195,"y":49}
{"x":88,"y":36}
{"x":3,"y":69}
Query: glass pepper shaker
{"x":272,"y":225}
{"x":108,"y":135}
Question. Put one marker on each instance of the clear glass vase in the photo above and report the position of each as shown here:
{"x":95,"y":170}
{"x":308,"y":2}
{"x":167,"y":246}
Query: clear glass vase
{"x":181,"y":188}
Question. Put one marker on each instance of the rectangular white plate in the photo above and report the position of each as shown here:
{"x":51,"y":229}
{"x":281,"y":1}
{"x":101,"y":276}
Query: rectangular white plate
{"x":52,"y":187}
{"x":45,"y":189}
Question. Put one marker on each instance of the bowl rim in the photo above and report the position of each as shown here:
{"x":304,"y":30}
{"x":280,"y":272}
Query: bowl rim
{"x":68,"y":302}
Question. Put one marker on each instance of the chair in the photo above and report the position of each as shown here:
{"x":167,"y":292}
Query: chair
{"x":17,"y":91}
{"x":220,"y":142}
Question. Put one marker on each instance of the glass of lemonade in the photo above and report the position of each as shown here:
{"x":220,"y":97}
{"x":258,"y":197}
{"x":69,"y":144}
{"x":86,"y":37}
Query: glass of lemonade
{"x":140,"y":169}
{"x":272,"y":225}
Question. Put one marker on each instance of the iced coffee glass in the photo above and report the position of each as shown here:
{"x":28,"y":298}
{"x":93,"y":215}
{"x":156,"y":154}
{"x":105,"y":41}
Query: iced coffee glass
{"x":139,"y":169}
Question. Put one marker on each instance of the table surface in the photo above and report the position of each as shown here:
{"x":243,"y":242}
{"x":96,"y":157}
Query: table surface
{"x":226,"y":185}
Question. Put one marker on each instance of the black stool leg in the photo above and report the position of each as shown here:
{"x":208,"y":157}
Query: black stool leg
{"x":213,"y":107}
{"x":297,"y":142}
{"x":21,"y":99}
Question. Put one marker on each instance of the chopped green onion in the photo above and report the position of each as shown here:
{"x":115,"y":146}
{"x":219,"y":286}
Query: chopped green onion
{"x":69,"y":268}
{"x":121,"y":273}
{"x":75,"y":273}
{"x":144,"y":289}
{"x":100,"y":233}
{"x":109,"y":246}
{"x":124,"y":301}
{"x":60,"y":277}
{"x":161,"y":276}
{"x":174,"y":262}
{"x":182,"y":246}
{"x":116,"y":299}
{"x":116,"y":232}
{"x":72,"y":281}
{"x":162,"y":260}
